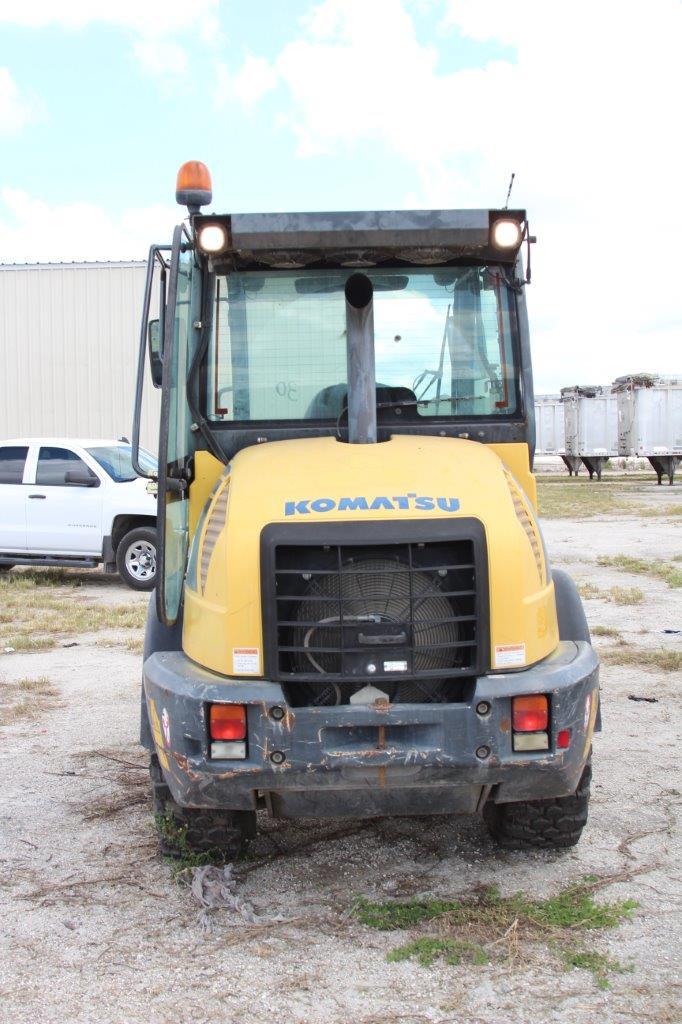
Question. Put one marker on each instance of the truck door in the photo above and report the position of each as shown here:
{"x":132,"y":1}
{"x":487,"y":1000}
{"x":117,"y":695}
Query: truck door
{"x":12,"y":498}
{"x":176,"y":438}
{"x":64,"y":505}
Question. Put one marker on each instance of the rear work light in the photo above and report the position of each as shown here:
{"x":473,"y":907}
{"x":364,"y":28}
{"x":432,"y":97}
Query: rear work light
{"x":227,"y":727}
{"x":530,"y":719}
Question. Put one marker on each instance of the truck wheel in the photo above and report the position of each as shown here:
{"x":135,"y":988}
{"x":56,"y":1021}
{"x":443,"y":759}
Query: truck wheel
{"x":136,"y":558}
{"x":186,"y":830}
{"x":541,"y":824}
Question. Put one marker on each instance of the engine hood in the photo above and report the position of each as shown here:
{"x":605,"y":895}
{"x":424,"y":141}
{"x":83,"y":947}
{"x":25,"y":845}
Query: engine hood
{"x":324,"y":480}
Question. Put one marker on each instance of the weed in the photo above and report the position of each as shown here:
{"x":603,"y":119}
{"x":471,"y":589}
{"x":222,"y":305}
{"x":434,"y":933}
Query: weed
{"x":474,"y":926}
{"x":389,"y":916}
{"x":174,"y":836}
{"x":599,"y":964}
{"x":626,"y":595}
{"x":25,"y":699}
{"x":665,"y":660}
{"x":577,"y":497}
{"x":23,"y":642}
{"x":427,"y":950}
{"x":32,"y":612}
{"x":670,"y":573}
{"x":670,"y":510}
{"x":619,"y":595}
{"x":605,"y":631}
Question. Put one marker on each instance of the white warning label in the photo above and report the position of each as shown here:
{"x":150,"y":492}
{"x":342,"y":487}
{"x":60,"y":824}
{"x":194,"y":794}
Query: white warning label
{"x":245,"y":661}
{"x":510,"y":655}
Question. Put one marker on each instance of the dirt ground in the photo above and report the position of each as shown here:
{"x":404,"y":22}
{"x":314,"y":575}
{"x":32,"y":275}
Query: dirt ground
{"x":94,"y":926}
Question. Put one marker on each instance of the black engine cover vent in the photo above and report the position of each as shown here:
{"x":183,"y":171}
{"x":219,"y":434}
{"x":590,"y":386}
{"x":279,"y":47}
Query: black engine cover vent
{"x":405,"y":617}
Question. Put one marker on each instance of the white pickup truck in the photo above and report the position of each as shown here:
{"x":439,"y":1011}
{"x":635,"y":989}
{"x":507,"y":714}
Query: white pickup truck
{"x":77,"y":503}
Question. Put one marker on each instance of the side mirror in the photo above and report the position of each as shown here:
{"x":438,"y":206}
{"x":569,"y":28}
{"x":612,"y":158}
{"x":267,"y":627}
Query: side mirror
{"x":155,"y":354}
{"x":79,"y":478}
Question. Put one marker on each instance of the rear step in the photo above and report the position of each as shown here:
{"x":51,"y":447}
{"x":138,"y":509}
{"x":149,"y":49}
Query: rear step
{"x":71,"y":563}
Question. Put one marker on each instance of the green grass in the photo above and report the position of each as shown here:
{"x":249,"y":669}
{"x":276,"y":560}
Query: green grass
{"x":427,"y":950}
{"x":598,"y":963}
{"x":478,"y":927}
{"x":37,"y":606}
{"x":389,"y":916}
{"x":640,"y":566}
{"x":573,"y":907}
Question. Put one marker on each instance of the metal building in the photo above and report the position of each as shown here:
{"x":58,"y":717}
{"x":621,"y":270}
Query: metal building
{"x":69,"y":336}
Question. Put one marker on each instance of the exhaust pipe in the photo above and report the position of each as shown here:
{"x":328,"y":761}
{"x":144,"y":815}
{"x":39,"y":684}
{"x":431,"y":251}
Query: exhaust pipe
{"x":362,"y":394}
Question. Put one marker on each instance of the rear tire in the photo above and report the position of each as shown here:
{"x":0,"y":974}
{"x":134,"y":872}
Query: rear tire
{"x":541,"y":824}
{"x":136,"y":558}
{"x":184,"y":831}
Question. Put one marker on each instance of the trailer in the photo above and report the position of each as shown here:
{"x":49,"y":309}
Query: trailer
{"x":590,"y":427}
{"x":650,"y":420}
{"x":549,"y":425}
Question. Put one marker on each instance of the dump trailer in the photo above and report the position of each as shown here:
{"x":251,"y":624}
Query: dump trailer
{"x":354,"y":614}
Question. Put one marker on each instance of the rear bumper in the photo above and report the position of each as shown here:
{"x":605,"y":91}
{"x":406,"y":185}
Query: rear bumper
{"x":363,"y":760}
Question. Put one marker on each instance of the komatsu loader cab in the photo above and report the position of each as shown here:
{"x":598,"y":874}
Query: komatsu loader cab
{"x":355,"y":614}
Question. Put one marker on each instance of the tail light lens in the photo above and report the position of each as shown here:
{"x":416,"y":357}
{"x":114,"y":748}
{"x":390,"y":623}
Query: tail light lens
{"x":228,"y":722}
{"x":530,"y":714}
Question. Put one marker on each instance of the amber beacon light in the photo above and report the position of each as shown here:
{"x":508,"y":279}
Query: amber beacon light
{"x":193,"y":186}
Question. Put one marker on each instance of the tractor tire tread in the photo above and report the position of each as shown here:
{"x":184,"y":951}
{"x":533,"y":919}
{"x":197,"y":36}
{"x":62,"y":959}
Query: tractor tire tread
{"x":541,"y":824}
{"x":205,"y":830}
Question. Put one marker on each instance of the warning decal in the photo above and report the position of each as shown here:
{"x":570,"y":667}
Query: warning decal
{"x":510,"y":655}
{"x":245,"y":660}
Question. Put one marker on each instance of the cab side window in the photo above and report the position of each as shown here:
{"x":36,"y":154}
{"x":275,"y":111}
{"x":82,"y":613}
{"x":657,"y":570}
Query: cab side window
{"x":55,"y":463}
{"x":12,"y":461}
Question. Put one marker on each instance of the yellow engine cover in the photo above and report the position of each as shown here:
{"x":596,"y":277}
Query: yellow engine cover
{"x":320,"y":480}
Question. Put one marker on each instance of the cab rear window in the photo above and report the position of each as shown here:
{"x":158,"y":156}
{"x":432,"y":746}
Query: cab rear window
{"x":12,"y":462}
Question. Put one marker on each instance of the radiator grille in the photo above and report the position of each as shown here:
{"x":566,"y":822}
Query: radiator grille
{"x":403,"y":617}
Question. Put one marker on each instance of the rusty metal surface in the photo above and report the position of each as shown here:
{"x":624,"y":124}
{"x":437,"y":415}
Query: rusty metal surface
{"x":372,"y":748}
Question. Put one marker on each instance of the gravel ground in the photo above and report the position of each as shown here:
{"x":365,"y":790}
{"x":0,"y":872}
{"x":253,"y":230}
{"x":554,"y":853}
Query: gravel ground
{"x":95,"y":928}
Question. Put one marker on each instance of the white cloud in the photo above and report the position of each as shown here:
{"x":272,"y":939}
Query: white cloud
{"x":585,"y":110}
{"x":152,"y":24}
{"x":148,"y":17}
{"x":15,"y":111}
{"x":255,"y":78}
{"x":161,"y":56}
{"x":32,"y":231}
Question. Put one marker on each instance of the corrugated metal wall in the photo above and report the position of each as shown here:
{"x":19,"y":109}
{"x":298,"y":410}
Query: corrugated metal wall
{"x":69,"y":337}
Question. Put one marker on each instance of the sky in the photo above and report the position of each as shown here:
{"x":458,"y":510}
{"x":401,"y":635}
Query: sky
{"x":367,"y":104}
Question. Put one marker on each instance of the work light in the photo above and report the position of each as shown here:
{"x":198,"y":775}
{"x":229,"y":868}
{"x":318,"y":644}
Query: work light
{"x":506,"y":234}
{"x":212,"y":238}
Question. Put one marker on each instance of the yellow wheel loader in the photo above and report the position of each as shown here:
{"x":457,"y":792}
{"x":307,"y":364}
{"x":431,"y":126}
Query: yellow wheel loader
{"x":354,"y":613}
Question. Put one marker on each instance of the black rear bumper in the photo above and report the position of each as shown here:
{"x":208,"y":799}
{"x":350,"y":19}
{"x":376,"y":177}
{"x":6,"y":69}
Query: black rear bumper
{"x":360,"y":761}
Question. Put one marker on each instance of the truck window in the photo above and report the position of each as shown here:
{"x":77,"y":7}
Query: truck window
{"x":278,"y":346}
{"x":12,"y":461}
{"x":55,"y":463}
{"x":116,"y":461}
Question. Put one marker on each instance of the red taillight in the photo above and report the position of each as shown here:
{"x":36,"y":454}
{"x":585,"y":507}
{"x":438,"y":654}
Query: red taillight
{"x":530,"y":714}
{"x":563,"y":739}
{"x":228,"y":722}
